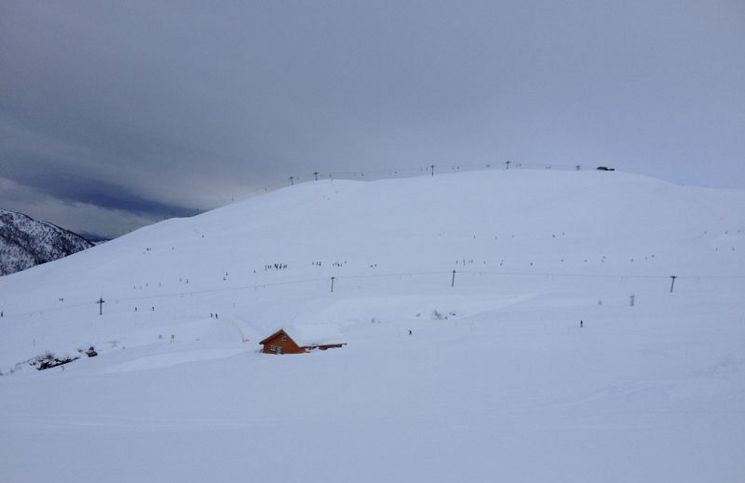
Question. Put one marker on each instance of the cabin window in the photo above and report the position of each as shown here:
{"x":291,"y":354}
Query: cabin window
{"x":284,"y":338}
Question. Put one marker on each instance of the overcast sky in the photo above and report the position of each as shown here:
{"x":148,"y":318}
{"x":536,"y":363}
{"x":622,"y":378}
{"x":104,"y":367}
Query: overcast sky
{"x":116,"y":114}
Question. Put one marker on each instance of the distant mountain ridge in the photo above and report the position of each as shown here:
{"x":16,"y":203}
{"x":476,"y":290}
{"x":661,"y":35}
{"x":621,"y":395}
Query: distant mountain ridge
{"x":25,"y":242}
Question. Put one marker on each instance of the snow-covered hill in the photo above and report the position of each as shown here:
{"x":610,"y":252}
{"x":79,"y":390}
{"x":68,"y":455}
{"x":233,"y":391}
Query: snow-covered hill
{"x":490,"y":271}
{"x":25,"y":242}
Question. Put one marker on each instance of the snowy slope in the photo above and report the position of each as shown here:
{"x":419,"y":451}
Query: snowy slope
{"x":25,"y":242}
{"x":497,"y":380}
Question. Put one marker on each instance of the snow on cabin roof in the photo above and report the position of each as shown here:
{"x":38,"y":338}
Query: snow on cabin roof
{"x":312,"y":334}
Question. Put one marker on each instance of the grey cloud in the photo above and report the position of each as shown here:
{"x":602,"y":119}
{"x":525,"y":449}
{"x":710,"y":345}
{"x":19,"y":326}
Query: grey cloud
{"x":72,"y":188}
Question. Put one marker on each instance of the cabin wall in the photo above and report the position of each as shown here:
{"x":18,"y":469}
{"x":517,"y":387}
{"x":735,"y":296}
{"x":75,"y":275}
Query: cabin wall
{"x":288,"y":346}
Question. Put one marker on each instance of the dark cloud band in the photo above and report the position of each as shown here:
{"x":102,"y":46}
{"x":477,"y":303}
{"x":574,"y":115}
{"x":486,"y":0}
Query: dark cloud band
{"x":73,"y":188}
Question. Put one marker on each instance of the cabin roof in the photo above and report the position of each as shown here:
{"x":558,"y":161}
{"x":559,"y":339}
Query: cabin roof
{"x":308,"y":334}
{"x":279,"y":332}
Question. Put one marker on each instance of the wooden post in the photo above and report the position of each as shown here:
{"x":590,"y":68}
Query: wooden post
{"x":672,"y":282}
{"x":100,"y":303}
{"x":452,"y":281}
{"x":332,"y":284}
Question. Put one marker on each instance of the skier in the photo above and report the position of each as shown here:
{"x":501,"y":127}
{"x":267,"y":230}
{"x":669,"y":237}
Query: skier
{"x":410,"y":332}
{"x":581,"y":324}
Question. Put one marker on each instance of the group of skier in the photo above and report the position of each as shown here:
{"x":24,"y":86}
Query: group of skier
{"x":275,"y":266}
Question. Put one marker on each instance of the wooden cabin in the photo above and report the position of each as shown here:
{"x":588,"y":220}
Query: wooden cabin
{"x":280,"y":342}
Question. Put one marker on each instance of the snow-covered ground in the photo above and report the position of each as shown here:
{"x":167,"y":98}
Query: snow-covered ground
{"x":497,"y":382}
